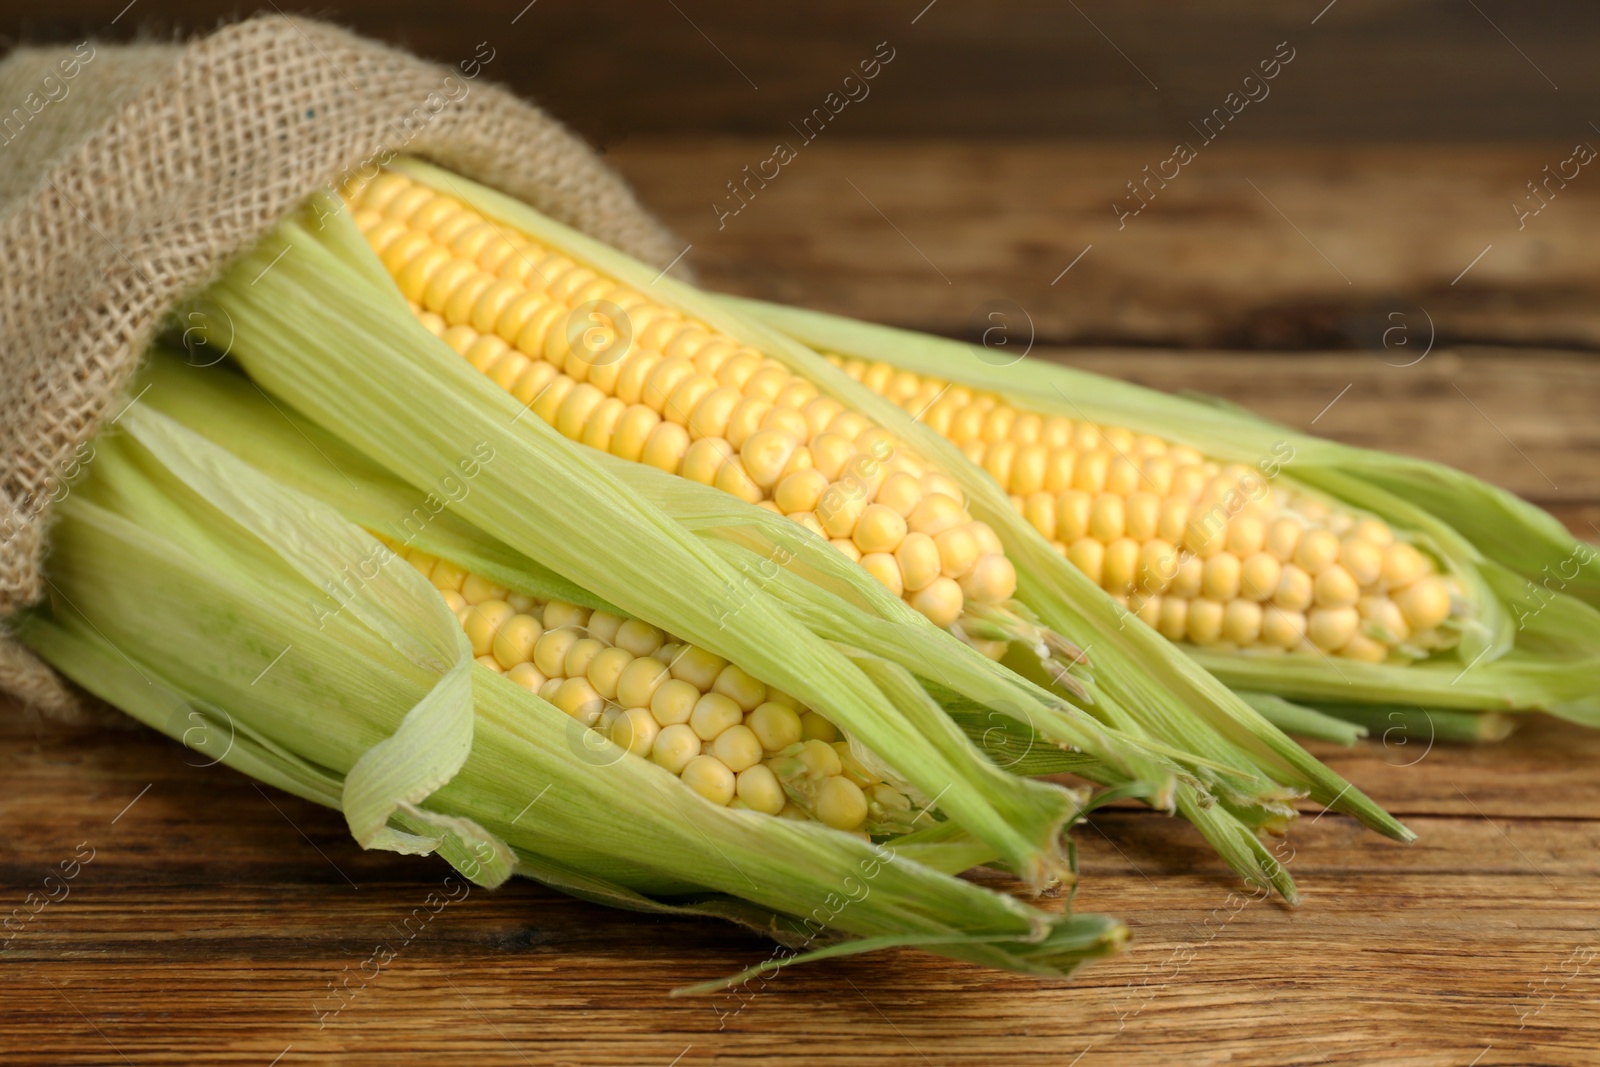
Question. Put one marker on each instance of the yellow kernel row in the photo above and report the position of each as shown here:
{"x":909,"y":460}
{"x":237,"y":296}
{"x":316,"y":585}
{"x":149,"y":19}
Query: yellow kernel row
{"x":725,"y":734}
{"x":1205,"y":552}
{"x":612,"y":369}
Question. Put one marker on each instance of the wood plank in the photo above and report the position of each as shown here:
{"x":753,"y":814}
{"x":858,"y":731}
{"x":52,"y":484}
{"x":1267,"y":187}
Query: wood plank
{"x":1010,"y":68}
{"x":1521,"y":778}
{"x":1258,"y":246}
{"x":209,"y":924}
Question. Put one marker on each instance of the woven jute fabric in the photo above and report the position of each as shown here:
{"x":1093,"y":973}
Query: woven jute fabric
{"x":131,"y":175}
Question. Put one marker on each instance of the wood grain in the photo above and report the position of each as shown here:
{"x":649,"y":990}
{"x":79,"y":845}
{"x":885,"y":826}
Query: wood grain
{"x":1251,"y":245}
{"x":1366,"y":69}
{"x":213,"y":917}
{"x":214,"y":914}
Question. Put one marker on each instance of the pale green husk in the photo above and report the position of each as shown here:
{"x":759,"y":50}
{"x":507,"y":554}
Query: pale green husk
{"x":1535,"y":642}
{"x":1302,"y":721}
{"x":193,"y":591}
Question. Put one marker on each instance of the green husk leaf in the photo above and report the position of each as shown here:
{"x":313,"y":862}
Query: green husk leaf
{"x":1088,"y":935}
{"x":93,"y":662}
{"x":1016,"y":748}
{"x":1397,"y":725}
{"x":228,"y":409}
{"x":432,"y":741}
{"x":1294,"y":718}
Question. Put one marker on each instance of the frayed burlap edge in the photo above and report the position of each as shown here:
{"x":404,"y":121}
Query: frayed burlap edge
{"x":128,"y":185}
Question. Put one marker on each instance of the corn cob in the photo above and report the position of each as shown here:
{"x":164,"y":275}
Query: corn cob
{"x":1417,"y":583}
{"x":173,"y":544}
{"x":1145,"y":519}
{"x":725,"y":734}
{"x":609,"y":367}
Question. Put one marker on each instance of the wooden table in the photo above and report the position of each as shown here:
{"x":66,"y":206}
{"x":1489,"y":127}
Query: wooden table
{"x":215,"y":916}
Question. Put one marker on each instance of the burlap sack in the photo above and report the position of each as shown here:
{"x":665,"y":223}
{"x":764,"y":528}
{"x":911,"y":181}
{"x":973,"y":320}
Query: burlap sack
{"x":130,"y":175}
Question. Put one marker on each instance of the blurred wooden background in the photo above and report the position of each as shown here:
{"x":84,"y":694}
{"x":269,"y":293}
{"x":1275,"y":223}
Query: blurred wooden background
{"x":1380,"y":163}
{"x":1382,"y":70}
